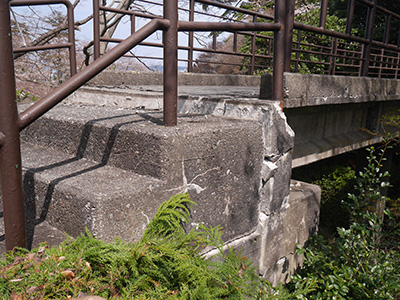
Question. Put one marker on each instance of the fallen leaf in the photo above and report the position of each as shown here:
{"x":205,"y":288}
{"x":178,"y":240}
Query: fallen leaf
{"x":41,"y":251}
{"x":32,"y":289}
{"x":68,"y":274}
{"x":14,"y":296}
{"x":30,"y":256}
{"x":88,"y":265}
{"x":89,"y":298}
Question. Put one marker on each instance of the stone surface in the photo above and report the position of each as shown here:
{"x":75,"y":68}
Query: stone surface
{"x":311,"y":90}
{"x":40,"y":233}
{"x":116,"y":166}
{"x":328,"y":130}
{"x":230,"y":150}
{"x":329,"y":114}
{"x":285,"y":229}
{"x":118,"y":78}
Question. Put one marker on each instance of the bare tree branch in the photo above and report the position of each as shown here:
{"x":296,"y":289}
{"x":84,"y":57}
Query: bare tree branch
{"x":51,"y":34}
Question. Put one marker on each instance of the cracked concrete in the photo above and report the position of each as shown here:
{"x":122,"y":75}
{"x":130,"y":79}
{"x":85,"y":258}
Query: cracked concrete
{"x":231,"y":151}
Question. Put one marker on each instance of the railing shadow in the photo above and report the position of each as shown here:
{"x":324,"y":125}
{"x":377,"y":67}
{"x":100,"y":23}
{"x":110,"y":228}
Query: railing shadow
{"x":35,"y":217}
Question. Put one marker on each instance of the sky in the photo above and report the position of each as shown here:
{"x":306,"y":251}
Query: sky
{"x":85,"y":33}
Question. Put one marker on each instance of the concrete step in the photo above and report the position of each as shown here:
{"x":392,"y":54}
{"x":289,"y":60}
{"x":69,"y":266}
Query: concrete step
{"x":120,"y":138}
{"x":71,"y":193}
{"x":109,"y":169}
{"x":36,"y":235}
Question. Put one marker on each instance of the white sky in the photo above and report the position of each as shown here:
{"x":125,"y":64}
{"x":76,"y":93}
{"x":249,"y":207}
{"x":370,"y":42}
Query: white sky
{"x":84,"y":9}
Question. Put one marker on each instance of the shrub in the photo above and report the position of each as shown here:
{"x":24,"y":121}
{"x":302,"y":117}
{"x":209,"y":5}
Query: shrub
{"x":165,"y":264}
{"x":361,"y":263}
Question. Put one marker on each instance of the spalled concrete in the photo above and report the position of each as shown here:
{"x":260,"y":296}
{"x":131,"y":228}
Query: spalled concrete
{"x":133,"y":78}
{"x":110,"y":167}
{"x":332,"y":115}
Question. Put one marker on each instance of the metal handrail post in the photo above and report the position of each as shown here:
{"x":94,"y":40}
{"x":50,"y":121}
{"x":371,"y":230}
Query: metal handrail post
{"x":279,"y":52}
{"x":170,"y":41}
{"x":10,"y":152}
{"x":289,"y":25}
{"x":368,"y":35}
{"x":96,"y":29}
{"x":191,"y":37}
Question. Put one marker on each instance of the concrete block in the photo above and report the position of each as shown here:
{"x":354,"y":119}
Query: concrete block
{"x":117,"y":78}
{"x":314,"y":90}
{"x":275,"y":190}
{"x":285,"y":229}
{"x":278,"y":136}
{"x":218,"y":160}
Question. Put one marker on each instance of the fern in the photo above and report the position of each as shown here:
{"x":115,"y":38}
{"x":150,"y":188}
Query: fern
{"x":165,"y":264}
{"x":169,"y":217}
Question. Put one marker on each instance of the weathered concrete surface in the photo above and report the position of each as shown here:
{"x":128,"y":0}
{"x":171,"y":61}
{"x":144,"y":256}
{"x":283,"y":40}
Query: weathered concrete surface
{"x":111,"y":167}
{"x":291,"y":226}
{"x":312,"y":90}
{"x":40,"y":233}
{"x":131,"y":161}
{"x":240,"y":103}
{"x":133,"y":78}
{"x":326,"y":131}
{"x":329,"y":114}
{"x":145,"y":97}
{"x":273,"y":245}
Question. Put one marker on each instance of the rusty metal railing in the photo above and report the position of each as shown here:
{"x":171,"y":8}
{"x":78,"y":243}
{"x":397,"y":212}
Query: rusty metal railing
{"x":11,"y":123}
{"x":71,"y":33}
{"x":311,"y":48}
{"x":171,"y":46}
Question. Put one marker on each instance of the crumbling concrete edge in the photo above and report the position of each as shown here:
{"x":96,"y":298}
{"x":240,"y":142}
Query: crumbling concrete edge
{"x":274,"y":185}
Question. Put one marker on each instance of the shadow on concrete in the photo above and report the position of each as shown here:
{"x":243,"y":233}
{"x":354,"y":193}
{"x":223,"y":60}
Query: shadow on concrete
{"x":29,"y":178}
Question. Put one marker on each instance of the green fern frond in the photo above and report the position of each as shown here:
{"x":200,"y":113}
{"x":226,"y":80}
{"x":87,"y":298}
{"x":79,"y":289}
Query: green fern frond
{"x":169,"y":217}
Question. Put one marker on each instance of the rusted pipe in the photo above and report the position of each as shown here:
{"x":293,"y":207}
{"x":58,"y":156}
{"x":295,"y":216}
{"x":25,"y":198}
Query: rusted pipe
{"x":323,"y":13}
{"x":41,"y":48}
{"x":170,"y":41}
{"x":340,"y":35}
{"x":366,"y":56}
{"x":388,"y":23}
{"x":289,"y":24}
{"x":10,"y":153}
{"x":279,"y":52}
{"x":253,"y":49}
{"x":236,"y":9}
{"x":191,"y":37}
{"x":71,"y":29}
{"x":225,"y":26}
{"x":96,"y":29}
{"x":2,"y":139}
{"x":350,"y":16}
{"x":72,"y":84}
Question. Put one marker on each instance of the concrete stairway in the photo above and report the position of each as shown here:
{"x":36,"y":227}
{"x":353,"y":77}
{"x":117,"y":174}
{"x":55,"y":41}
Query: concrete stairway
{"x":108,"y":169}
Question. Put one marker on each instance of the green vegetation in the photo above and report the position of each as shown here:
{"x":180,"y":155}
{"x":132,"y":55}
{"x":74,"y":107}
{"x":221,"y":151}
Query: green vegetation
{"x":165,"y":264}
{"x":359,"y":263}
{"x":23,"y":95}
{"x":336,"y":177}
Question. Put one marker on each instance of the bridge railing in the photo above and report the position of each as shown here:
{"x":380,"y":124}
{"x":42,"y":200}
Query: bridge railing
{"x":311,"y":48}
{"x":12,"y":122}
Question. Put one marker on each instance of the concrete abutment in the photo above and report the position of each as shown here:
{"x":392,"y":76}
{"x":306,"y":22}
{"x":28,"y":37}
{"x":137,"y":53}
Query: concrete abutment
{"x":109,"y":166}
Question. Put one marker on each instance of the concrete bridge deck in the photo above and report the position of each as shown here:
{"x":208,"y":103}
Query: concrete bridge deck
{"x":329,"y":114}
